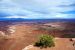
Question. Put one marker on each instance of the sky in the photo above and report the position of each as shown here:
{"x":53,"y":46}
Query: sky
{"x":37,"y":9}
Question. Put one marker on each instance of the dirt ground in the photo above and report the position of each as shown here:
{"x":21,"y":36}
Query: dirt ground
{"x":19,"y":39}
{"x":23,"y":37}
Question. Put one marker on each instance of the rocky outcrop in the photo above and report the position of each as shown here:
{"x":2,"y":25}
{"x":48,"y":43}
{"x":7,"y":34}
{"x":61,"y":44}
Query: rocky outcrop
{"x":2,"y":36}
{"x":11,"y":29}
{"x":2,"y":33}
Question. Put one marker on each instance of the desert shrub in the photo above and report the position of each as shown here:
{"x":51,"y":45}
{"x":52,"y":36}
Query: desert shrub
{"x":45,"y":41}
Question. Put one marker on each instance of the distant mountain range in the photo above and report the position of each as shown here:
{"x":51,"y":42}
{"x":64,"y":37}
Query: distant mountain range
{"x":37,"y":20}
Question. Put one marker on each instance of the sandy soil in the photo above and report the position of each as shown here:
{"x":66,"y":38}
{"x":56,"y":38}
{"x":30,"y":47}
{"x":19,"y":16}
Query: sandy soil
{"x":19,"y":39}
{"x":24,"y":36}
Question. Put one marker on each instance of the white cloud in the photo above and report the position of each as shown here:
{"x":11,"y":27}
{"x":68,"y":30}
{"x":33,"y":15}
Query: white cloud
{"x":16,"y":17}
{"x":36,"y":8}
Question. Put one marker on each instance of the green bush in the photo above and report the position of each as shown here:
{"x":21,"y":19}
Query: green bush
{"x":45,"y":41}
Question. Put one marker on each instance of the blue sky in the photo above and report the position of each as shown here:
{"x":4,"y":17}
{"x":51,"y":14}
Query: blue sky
{"x":37,"y":9}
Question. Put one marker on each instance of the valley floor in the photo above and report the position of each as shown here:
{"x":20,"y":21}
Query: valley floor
{"x":23,"y":37}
